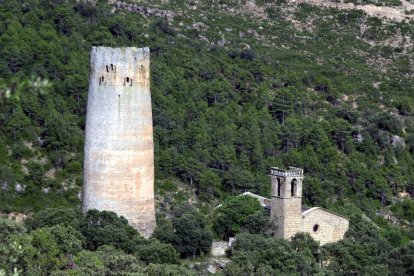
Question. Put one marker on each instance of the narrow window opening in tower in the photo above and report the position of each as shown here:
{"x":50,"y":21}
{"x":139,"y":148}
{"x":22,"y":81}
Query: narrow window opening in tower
{"x":131,"y":83}
{"x":112,"y":67}
{"x":100,"y":79}
{"x":107,"y":69}
{"x":127,"y":79}
{"x":278,"y":187}
{"x":316,"y":228}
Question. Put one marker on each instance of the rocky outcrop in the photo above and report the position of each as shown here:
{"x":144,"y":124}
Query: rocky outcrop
{"x":145,"y":11}
{"x":397,"y":141}
{"x":19,"y":188}
{"x":219,"y":248}
{"x":398,"y":13}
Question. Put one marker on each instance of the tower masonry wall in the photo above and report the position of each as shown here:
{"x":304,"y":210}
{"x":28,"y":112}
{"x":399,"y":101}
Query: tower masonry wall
{"x":287,"y":215}
{"x":119,"y":150}
{"x":286,"y":204}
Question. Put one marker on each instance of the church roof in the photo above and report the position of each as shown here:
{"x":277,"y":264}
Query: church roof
{"x":309,"y":210}
{"x":266,"y":203}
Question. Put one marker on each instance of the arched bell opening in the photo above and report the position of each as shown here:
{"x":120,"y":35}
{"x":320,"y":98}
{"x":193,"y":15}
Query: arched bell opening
{"x":294,"y":188}
{"x":279,"y":188}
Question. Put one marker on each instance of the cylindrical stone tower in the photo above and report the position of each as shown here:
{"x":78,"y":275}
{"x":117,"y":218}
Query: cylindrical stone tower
{"x":119,"y":149}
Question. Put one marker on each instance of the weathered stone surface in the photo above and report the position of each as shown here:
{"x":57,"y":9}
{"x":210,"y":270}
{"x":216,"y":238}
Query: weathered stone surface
{"x":219,"y":248}
{"x":324,"y":226}
{"x":146,"y":11}
{"x":4,"y":185}
{"x":397,"y":141}
{"x":214,"y":265}
{"x":19,"y":188}
{"x":119,"y":150}
{"x":211,"y":269}
{"x":286,"y":210}
{"x":287,"y":213}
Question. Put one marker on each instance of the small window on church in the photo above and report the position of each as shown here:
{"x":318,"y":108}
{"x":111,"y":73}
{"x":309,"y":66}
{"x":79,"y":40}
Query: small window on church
{"x":316,"y":228}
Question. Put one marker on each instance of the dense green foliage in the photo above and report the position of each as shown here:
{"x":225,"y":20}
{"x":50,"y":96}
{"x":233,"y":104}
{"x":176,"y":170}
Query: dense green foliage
{"x":100,"y":244}
{"x":404,"y":209}
{"x":236,"y":89}
{"x":222,"y":114}
{"x":186,"y":231}
{"x":237,"y":213}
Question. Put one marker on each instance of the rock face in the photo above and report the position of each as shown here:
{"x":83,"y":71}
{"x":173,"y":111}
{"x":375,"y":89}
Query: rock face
{"x":119,"y":150}
{"x":145,"y":11}
{"x":19,"y":188}
{"x":219,"y":248}
{"x":397,"y":141}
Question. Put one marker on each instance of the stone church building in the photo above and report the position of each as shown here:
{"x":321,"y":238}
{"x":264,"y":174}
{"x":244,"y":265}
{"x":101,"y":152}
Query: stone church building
{"x":287,"y":212}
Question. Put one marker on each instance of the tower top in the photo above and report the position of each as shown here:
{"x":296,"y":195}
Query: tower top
{"x":291,"y":172}
{"x":116,"y":67}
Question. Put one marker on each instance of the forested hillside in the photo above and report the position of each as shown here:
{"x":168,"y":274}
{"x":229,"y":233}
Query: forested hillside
{"x":237,"y":87}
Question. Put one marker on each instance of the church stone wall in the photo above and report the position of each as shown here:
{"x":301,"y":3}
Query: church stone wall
{"x":119,"y":150}
{"x":329,"y":227}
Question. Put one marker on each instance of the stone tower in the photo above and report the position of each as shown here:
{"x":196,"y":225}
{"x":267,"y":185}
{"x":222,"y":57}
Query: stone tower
{"x":286,"y":202}
{"x":119,"y":150}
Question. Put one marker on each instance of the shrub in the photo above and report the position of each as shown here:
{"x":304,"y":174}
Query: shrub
{"x":234,"y":214}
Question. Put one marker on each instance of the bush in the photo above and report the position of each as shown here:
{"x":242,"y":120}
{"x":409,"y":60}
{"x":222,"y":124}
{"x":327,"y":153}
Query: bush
{"x":8,"y":228}
{"x":106,"y":228}
{"x":404,"y":209}
{"x":247,"y":55}
{"x":253,"y":253}
{"x":68,"y":239}
{"x":187,"y":232}
{"x":156,"y":252}
{"x":234,"y":214}
{"x":54,"y":216}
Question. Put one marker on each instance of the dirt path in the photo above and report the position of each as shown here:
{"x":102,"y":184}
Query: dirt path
{"x":394,"y":13}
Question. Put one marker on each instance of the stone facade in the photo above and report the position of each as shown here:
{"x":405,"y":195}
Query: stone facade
{"x":119,"y":150}
{"x":290,"y":217}
{"x":324,"y":226}
{"x":286,"y":202}
{"x":288,"y":214}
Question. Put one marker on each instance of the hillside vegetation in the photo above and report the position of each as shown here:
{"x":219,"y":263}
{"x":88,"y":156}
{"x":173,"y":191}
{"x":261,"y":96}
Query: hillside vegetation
{"x":237,"y":87}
